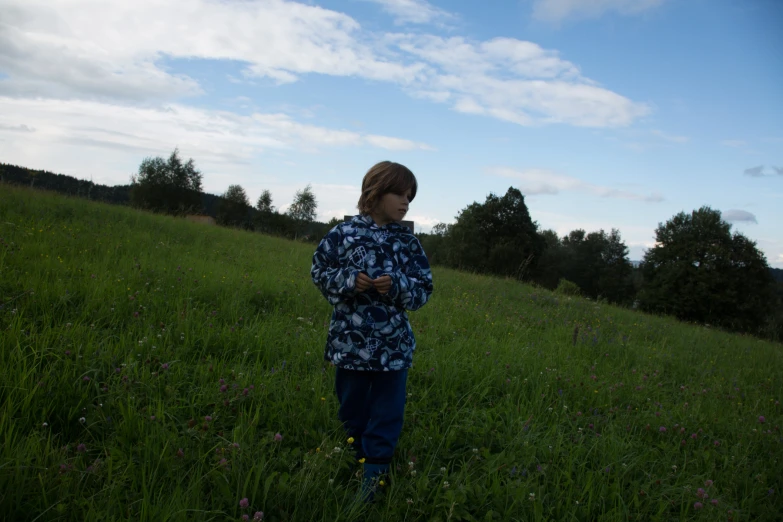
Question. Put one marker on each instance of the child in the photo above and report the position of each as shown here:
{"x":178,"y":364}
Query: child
{"x":372,"y":269}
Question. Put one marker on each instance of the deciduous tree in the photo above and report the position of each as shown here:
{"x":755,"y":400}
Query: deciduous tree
{"x":699,"y":271}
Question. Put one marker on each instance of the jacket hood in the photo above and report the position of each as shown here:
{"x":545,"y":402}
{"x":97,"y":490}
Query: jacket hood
{"x":366,"y":221}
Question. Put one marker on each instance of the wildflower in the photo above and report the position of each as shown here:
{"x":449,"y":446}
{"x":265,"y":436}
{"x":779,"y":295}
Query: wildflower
{"x":208,"y":418}
{"x":86,"y":378}
{"x":698,"y":505}
{"x":532,"y":497}
{"x":714,"y":501}
{"x":81,"y":448}
{"x":245,"y":517}
{"x":278,"y":437}
{"x":45,"y":424}
{"x":708,"y":483}
{"x":443,"y":470}
{"x":244,"y":503}
{"x":762,"y":420}
{"x":662,"y":429}
{"x":446,"y":484}
{"x":701,"y":493}
{"x":180,"y":453}
{"x":409,"y":501}
{"x":165,"y":366}
{"x":223,"y":389}
{"x":413,"y":473}
{"x":350,"y":440}
{"x":475,"y":450}
{"x":223,"y":462}
{"x":259,"y":515}
{"x":82,"y":420}
{"x":361,"y":460}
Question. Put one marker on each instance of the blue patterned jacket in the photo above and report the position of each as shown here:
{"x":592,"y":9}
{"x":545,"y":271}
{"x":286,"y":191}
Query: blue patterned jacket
{"x":370,"y":331}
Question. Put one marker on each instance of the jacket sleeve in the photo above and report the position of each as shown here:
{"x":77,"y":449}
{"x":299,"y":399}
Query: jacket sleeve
{"x":335,"y":282}
{"x":412,"y":286}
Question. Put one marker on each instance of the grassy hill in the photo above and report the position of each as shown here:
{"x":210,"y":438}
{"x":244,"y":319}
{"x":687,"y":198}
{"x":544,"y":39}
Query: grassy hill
{"x":156,"y":369}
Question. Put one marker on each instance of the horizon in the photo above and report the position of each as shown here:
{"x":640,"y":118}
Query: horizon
{"x":604,"y":113}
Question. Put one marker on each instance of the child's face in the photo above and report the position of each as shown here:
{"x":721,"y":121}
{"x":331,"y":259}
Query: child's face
{"x":391,"y":207}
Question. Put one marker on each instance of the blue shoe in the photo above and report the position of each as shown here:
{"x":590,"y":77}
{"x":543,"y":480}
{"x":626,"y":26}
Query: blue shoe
{"x":372,"y":476}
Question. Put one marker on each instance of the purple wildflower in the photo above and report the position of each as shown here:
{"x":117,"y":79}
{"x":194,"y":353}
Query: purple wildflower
{"x":762,"y":420}
{"x":81,"y":448}
{"x":698,"y":505}
{"x":258,"y":516}
{"x":278,"y":437}
{"x":244,"y":503}
{"x":662,"y":429}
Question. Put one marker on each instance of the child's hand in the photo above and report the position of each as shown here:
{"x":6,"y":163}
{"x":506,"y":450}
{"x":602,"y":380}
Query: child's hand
{"x":382,"y":284}
{"x":363,"y":282}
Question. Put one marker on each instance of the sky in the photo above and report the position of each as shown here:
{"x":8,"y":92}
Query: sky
{"x":604,"y":113}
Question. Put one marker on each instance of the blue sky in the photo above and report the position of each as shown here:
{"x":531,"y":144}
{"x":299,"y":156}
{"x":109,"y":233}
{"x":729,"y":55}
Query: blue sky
{"x":605,"y":113}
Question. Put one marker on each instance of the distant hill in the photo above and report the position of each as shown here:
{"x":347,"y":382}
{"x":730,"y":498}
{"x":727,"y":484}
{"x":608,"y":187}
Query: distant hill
{"x":71,"y":186}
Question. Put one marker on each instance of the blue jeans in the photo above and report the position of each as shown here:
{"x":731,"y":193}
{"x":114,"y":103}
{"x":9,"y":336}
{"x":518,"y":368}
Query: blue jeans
{"x":372,"y":406}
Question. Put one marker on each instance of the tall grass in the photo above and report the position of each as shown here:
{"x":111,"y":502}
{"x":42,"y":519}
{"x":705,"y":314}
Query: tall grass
{"x":156,"y":369}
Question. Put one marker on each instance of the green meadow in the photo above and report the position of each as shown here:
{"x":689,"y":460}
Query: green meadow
{"x":157,"y":369}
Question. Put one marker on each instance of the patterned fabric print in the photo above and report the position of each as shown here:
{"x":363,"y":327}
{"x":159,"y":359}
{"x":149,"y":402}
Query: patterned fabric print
{"x":370,"y":331}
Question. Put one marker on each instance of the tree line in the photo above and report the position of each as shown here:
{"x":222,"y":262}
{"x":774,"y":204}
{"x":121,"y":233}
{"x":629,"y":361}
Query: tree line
{"x":698,"y":271}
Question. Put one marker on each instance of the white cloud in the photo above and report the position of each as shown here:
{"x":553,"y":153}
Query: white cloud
{"x":556,"y":11}
{"x":512,"y":80}
{"x":414,"y":11}
{"x":546,"y":182}
{"x":670,"y":137}
{"x":219,"y":139}
{"x":389,"y":143}
{"x":93,"y":49}
{"x":114,"y":49}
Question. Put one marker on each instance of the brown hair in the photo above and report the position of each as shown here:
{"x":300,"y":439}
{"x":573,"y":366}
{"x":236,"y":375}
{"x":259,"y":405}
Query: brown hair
{"x":384,"y":178}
